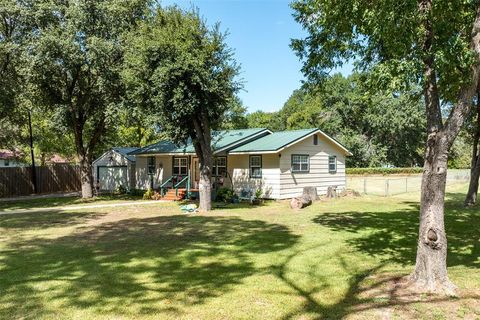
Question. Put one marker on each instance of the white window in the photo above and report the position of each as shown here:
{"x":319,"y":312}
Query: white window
{"x":220,"y":166}
{"x":180,"y":166}
{"x":151,"y":165}
{"x":300,"y":163}
{"x":332,"y":164}
{"x":255,"y":166}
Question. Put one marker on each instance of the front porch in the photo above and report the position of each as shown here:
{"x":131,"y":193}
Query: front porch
{"x":177,"y":177}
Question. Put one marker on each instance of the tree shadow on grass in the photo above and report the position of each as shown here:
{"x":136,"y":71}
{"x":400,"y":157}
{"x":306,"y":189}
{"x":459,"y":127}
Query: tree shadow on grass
{"x":152,"y":265}
{"x":392,"y":235}
{"x":35,"y":203}
{"x":39,"y":220}
{"x":369,"y":293}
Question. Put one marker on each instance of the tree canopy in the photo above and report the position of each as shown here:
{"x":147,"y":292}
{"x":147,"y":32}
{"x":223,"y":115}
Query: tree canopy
{"x":183,"y":72}
{"x":404,"y":44}
{"x":354,"y":114}
{"x":76,"y":58}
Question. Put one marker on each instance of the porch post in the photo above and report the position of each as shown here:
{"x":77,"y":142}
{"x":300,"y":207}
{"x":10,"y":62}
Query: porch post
{"x":189,"y":177}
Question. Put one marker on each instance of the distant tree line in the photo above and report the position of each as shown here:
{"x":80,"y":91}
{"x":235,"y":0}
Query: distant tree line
{"x":380,"y":128}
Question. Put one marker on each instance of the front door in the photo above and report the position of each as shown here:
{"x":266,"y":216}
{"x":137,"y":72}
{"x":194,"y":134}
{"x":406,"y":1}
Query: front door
{"x":196,"y":173}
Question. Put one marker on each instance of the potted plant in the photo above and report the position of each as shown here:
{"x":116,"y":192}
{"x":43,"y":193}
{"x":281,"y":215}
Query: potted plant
{"x":258,"y":197}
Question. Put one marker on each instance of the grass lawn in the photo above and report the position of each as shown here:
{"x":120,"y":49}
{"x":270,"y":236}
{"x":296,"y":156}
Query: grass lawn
{"x":63,"y":201}
{"x":344,"y":258}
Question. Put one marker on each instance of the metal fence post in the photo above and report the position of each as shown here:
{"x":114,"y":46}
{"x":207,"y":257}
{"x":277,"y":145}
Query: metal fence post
{"x":386,"y":188}
{"x":406,"y":185}
{"x":365,"y":185}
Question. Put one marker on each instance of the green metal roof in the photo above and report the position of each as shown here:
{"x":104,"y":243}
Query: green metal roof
{"x":274,"y":141}
{"x":126,"y":151}
{"x":220,"y":140}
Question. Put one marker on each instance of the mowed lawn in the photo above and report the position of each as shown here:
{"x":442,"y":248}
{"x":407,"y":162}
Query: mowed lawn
{"x":344,"y":258}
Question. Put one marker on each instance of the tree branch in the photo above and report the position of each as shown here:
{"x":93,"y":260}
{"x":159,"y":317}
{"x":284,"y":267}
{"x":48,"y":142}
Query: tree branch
{"x":97,"y":133}
{"x":463,"y":105}
{"x":432,"y":100}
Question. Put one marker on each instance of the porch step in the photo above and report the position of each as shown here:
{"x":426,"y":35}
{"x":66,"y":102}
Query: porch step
{"x":171,"y":195}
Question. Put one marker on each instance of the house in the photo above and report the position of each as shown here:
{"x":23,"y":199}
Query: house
{"x":9,"y":158}
{"x":115,"y":168}
{"x":281,"y":164}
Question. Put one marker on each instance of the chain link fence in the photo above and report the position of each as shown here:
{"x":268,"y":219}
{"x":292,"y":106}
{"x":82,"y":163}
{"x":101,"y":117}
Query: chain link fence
{"x":397,"y":184}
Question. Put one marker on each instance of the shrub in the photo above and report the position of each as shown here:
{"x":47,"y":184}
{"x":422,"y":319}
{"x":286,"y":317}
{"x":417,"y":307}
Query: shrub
{"x":258,"y":193}
{"x":224,"y":195}
{"x":156,"y":196}
{"x":384,"y":171}
{"x":120,"y":190}
{"x":136,"y":192}
{"x":148,"y":194}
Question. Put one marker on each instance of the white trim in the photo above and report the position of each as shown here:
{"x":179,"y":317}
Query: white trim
{"x":165,"y":154}
{"x":121,"y":155}
{"x":252,"y":152}
{"x":348,"y":153}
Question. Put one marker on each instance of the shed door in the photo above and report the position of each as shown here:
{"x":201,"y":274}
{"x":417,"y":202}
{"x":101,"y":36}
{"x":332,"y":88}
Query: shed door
{"x":111,"y":178}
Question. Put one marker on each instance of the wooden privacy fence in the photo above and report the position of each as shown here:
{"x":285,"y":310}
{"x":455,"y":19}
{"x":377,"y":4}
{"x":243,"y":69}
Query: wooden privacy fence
{"x":17,"y":181}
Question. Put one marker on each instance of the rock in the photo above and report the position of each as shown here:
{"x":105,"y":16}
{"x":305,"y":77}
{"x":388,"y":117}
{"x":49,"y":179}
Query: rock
{"x":300,"y":202}
{"x":311,"y":193}
{"x":349,"y":193}
{"x":332,"y":192}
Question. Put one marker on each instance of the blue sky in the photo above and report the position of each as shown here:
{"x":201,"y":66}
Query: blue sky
{"x":260,"y":33}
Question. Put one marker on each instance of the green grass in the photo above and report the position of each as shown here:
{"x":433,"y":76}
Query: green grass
{"x":62,"y":201}
{"x":335,"y":259}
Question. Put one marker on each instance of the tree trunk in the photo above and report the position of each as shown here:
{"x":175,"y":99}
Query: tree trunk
{"x":205,"y":183}
{"x":203,"y":149}
{"x":430,"y":272}
{"x":431,"y":265}
{"x":86,"y":176}
{"x":471,"y":197}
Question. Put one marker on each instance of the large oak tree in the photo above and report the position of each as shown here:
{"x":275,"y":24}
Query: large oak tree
{"x":15,"y":29}
{"x":76,"y":56}
{"x":182,"y":71}
{"x":435,"y":44}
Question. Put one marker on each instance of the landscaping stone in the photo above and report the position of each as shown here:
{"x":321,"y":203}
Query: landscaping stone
{"x":311,"y":193}
{"x":332,"y":192}
{"x":300,"y":202}
{"x":349,"y":193}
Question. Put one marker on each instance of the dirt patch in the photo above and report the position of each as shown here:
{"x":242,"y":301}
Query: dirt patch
{"x":392,"y":297}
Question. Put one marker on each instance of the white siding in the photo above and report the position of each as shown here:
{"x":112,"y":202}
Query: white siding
{"x":277,"y":182}
{"x":117,"y":160}
{"x":163,"y":171}
{"x":11,"y":163}
{"x":238,"y":168}
{"x":114,"y":159}
{"x":291,"y":184}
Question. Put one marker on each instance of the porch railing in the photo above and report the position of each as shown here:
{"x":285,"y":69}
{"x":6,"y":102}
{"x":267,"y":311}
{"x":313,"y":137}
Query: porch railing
{"x":162,"y":186}
{"x":178,"y":184}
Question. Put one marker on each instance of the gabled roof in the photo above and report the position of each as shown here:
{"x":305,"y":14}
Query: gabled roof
{"x":278,"y":141}
{"x":221,"y":141}
{"x":125,"y":151}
